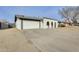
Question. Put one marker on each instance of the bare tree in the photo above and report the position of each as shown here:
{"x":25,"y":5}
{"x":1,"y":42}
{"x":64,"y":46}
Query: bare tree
{"x":70,"y":13}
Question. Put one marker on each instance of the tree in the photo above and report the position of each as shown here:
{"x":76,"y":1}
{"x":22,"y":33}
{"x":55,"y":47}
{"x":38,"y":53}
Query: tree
{"x":70,"y":14}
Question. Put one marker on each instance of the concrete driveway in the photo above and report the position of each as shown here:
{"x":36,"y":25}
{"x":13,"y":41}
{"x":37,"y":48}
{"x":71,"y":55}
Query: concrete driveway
{"x":54,"y":40}
{"x":40,"y":40}
{"x":13,"y":40}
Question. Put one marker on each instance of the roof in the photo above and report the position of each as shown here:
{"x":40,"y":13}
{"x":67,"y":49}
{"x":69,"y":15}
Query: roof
{"x":4,"y":21}
{"x":50,"y":18}
{"x":28,"y":17}
{"x":22,"y":17}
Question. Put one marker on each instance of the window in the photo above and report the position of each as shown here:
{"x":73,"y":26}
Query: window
{"x":47,"y":23}
{"x":51,"y":24}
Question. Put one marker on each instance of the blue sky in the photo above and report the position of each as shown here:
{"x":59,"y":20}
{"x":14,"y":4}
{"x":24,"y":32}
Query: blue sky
{"x":8,"y":12}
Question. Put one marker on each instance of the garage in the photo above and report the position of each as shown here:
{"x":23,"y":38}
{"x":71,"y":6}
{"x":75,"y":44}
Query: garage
{"x":23,"y":22}
{"x":27,"y":22}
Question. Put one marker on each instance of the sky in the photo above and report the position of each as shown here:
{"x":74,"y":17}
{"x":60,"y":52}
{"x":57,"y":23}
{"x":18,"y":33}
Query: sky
{"x":8,"y":12}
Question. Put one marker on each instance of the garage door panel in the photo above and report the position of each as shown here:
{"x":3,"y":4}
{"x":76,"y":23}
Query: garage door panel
{"x":30,"y":24}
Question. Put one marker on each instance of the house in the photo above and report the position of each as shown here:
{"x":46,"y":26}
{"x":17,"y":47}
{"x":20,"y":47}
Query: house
{"x":27,"y":22}
{"x":3,"y":24}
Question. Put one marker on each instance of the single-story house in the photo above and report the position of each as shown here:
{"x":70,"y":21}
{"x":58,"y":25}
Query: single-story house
{"x":27,"y":22}
{"x":3,"y":24}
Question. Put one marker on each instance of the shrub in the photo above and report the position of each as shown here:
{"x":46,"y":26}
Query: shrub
{"x":61,"y":25}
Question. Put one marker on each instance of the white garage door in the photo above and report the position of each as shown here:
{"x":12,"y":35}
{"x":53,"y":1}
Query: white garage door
{"x":30,"y":24}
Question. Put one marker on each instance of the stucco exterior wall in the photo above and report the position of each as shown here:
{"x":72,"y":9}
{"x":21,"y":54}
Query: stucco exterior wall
{"x":27,"y":24}
{"x":55,"y":23}
{"x":18,"y":23}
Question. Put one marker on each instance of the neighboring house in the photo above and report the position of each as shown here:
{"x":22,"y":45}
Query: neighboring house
{"x":3,"y":24}
{"x":26,"y":22}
